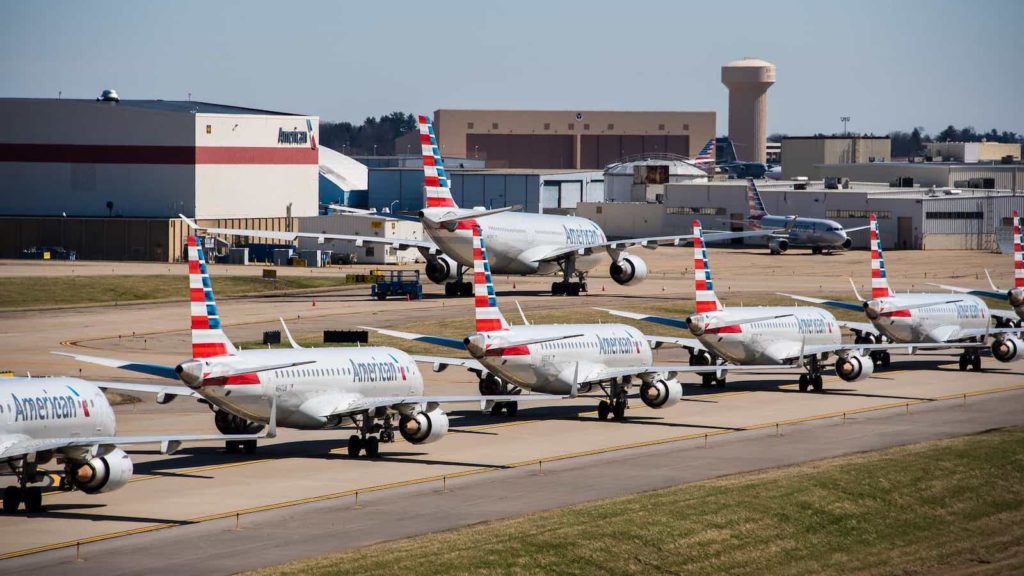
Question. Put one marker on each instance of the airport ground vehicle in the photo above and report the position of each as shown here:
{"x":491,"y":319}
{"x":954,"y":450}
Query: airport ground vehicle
{"x":402,"y":283}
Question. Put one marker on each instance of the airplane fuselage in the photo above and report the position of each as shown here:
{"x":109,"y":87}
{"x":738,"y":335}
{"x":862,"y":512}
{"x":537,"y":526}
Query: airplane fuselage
{"x":774,"y":341}
{"x":941,"y":323}
{"x":549,"y":367}
{"x":308,"y":394}
{"x":516,"y":240}
{"x":41,"y":408}
{"x":807,"y":232}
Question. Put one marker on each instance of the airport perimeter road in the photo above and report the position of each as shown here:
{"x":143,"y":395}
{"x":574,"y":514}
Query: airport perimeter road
{"x":279,"y":535}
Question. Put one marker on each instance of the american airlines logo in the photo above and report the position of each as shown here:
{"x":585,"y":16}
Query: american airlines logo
{"x":964,"y":311}
{"x":292,"y":136}
{"x":617,"y":345}
{"x":45,"y":408}
{"x":375,"y":371}
{"x":813,"y":326}
{"x":580,"y":236}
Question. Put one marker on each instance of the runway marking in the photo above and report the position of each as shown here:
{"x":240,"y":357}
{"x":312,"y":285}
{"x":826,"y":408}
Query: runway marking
{"x":481,"y":470}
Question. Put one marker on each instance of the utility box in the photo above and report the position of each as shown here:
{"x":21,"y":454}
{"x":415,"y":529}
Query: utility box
{"x":272,"y":337}
{"x":282,"y":256}
{"x":312,"y":258}
{"x":238,"y":256}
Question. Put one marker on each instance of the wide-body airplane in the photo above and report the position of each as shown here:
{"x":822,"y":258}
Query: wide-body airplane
{"x":69,"y":421}
{"x":559,"y":358}
{"x":307,"y":389}
{"x":770,"y":335}
{"x":818,"y":234}
{"x":957,"y":320}
{"x":1014,"y":296}
{"x":521,"y":243}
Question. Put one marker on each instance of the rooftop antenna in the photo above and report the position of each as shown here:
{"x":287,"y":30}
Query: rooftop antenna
{"x":59,"y":93}
{"x":189,"y":96}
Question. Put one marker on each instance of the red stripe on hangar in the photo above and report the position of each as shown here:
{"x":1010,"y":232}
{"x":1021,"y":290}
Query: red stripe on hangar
{"x":167,"y":155}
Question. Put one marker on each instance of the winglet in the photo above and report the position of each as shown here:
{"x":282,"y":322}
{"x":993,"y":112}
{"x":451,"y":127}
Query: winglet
{"x":521,"y":315}
{"x":289,"y":335}
{"x":990,"y":282}
{"x":855,"y":293}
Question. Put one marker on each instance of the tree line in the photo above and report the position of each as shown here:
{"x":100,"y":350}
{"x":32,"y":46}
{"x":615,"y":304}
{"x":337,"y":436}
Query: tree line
{"x":375,"y":136}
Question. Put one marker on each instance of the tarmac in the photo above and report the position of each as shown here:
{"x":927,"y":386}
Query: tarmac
{"x":295,"y":496}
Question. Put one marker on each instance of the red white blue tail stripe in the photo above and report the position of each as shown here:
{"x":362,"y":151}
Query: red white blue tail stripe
{"x":755,"y":207}
{"x":1018,"y":253}
{"x":208,"y":340}
{"x":705,"y":298}
{"x":437,"y":193}
{"x":706,"y":154}
{"x":488,"y":315}
{"x":879,"y":282}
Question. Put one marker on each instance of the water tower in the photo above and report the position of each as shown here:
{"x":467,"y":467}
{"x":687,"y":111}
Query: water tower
{"x":748,"y":81}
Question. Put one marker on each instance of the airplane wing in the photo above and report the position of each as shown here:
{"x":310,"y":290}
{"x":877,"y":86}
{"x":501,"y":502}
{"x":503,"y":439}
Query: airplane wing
{"x":398,"y":243}
{"x":665,"y":321}
{"x":910,"y":347}
{"x":690,"y":344}
{"x":1004,"y":314}
{"x":609,"y":373}
{"x":973,"y":292}
{"x":862,"y":327}
{"x":647,"y":242}
{"x":436,"y":340}
{"x":983,"y":332}
{"x":167,"y":390}
{"x":150,"y":369}
{"x":19,"y":445}
{"x":463,"y":362}
{"x":857,"y":229}
{"x":832,"y":303}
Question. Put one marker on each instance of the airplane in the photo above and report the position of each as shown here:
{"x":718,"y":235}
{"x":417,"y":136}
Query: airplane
{"x":69,"y":420}
{"x":706,"y":157}
{"x":1014,"y":296}
{"x":558,"y":358}
{"x":310,"y":388}
{"x":818,"y":234}
{"x":958,"y":321}
{"x":521,"y":243}
{"x":770,"y":335}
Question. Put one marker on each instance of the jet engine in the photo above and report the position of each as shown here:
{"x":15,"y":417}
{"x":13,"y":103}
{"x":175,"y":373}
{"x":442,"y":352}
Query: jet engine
{"x":628,"y":270}
{"x":1008,"y":349}
{"x":661,"y":393}
{"x":854,"y":368}
{"x":442,"y":269}
{"x":848,"y":243}
{"x":778,"y":245}
{"x":102,"y":474}
{"x":1016,"y":297}
{"x":424,"y":427}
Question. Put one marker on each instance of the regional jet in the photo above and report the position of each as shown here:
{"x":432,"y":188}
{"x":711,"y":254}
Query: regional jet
{"x":776,"y":335}
{"x":521,"y":243}
{"x":818,"y":234}
{"x":1014,"y":296}
{"x":559,"y":358}
{"x":69,"y":421}
{"x":307,"y":388}
{"x":958,"y":321}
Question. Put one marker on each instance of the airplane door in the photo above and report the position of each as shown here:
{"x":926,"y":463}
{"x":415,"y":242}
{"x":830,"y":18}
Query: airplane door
{"x":905,"y":233}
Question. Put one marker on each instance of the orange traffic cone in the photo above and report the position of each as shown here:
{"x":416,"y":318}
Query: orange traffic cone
{"x":314,"y":302}
{"x":602,"y":287}
{"x":513,"y":285}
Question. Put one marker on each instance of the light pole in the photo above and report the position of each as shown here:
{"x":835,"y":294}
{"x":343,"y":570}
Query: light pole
{"x":844,"y":120}
{"x":375,"y":150}
{"x":393,"y":202}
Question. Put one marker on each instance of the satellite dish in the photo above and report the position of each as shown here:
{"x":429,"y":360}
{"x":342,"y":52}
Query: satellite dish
{"x":110,"y":95}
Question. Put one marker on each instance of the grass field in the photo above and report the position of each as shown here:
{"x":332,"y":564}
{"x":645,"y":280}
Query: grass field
{"x":953,"y":506}
{"x":31,"y":292}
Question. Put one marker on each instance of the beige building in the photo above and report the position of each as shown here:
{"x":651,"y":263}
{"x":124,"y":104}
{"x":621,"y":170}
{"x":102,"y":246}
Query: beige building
{"x":972,"y":151}
{"x":566,"y":139}
{"x":801,"y":155}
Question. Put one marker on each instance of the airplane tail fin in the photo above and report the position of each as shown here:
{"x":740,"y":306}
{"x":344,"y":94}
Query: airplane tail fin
{"x":755,"y":207}
{"x":488,"y":315}
{"x":705,"y":298}
{"x":879,"y":281}
{"x":208,"y":339}
{"x":436,"y":193}
{"x":706,"y":154}
{"x":1018,"y":252}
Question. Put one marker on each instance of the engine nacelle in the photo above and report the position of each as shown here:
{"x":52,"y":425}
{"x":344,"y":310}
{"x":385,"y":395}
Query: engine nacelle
{"x":848,"y":243}
{"x":103,"y":474}
{"x":1016,"y":297}
{"x":855,"y":368}
{"x":442,"y":269}
{"x":778,"y":245}
{"x":1008,"y":349}
{"x":424,"y":427}
{"x":628,"y":270}
{"x":661,"y":393}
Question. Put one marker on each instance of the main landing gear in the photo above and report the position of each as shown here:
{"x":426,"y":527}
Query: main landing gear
{"x":617,"y":402}
{"x":567,"y":287}
{"x":460,"y":287}
{"x":371,"y":435}
{"x":30,"y":496}
{"x":228,"y":423}
{"x":812,"y":379}
{"x":970,"y":359}
{"x":491,"y":385}
{"x":880,"y":358}
{"x":702,"y":358}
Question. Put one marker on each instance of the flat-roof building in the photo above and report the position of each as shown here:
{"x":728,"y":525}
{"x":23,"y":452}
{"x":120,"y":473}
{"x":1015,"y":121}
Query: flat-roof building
{"x":802,"y":155}
{"x":972,"y":151}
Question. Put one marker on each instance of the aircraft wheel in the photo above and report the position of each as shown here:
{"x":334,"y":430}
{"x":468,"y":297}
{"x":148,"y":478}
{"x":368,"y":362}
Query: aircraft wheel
{"x":249,"y":446}
{"x":573,"y":289}
{"x":355,"y":445}
{"x":496,"y":409}
{"x":976,"y":363}
{"x":816,"y":382}
{"x":707,"y":379}
{"x":886,"y":359}
{"x":33,"y":499}
{"x":602,"y":413}
{"x":720,"y":382}
{"x":372,"y":447}
{"x":963,"y":362}
{"x":619,"y":407}
{"x":511,"y":408}
{"x":12,"y":499}
{"x":557,"y":288}
{"x":804,"y":383}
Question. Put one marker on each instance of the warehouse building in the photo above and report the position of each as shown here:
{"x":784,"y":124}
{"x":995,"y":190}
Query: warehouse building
{"x":938,"y":174}
{"x":910,"y":218}
{"x":564,"y":139}
{"x":972,"y":151}
{"x":802,"y":155}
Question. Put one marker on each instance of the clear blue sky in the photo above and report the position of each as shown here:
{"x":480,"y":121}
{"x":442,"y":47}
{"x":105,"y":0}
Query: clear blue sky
{"x":889,"y":65}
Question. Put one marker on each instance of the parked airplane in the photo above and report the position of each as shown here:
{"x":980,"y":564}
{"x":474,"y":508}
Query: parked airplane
{"x":779,"y":335}
{"x":1014,"y":296}
{"x":559,"y":358}
{"x":706,"y":157}
{"x":521,"y":242}
{"x":312,"y":388}
{"x":70,"y":420}
{"x":959,"y":321}
{"x":818,"y":234}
